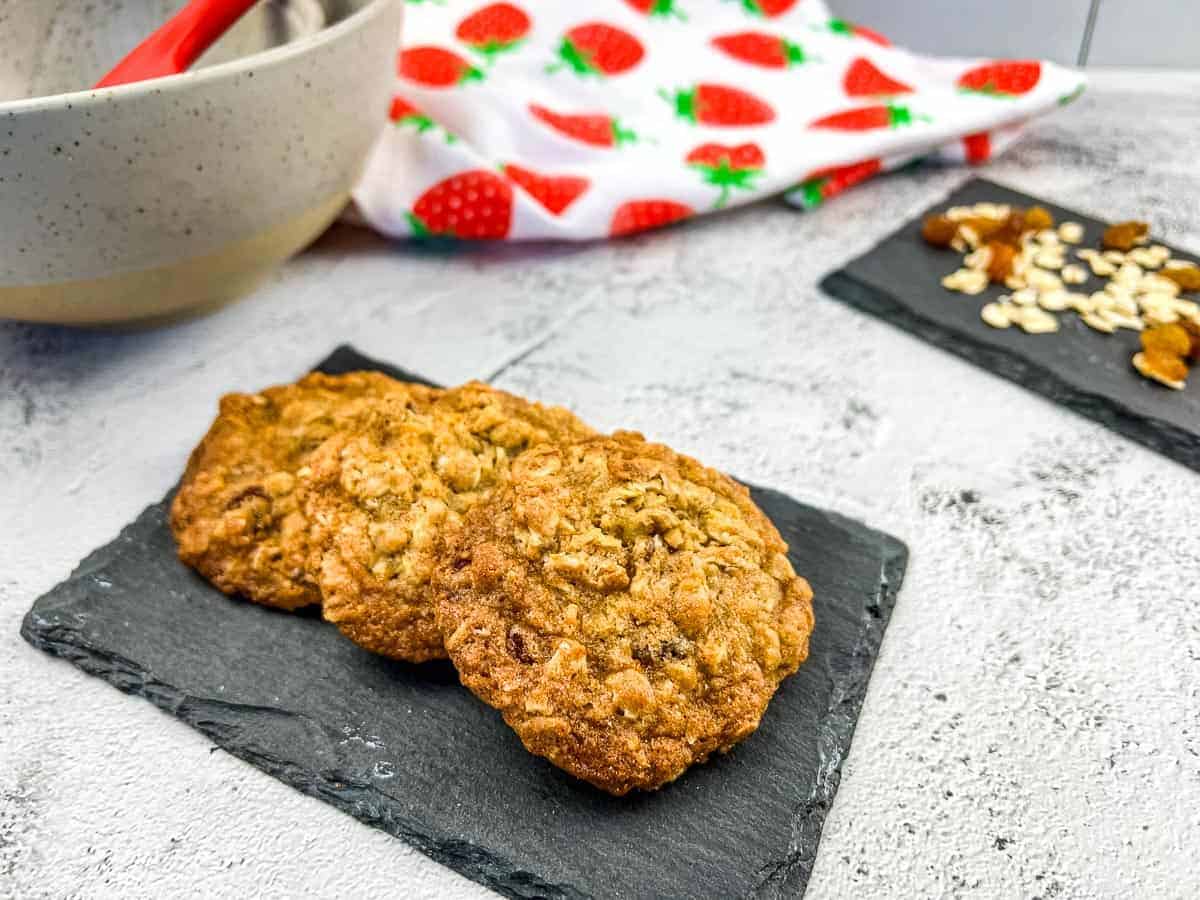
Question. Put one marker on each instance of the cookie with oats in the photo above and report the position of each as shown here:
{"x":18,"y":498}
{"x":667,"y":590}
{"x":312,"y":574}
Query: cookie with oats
{"x":628,"y":610}
{"x":237,"y":516}
{"x":381,"y":494}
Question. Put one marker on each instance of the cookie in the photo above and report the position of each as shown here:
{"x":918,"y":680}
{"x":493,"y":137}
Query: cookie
{"x":237,"y":516}
{"x":628,"y":610}
{"x":381,"y":495}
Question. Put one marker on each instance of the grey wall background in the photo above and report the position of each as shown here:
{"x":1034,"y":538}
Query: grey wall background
{"x":1160,"y":33}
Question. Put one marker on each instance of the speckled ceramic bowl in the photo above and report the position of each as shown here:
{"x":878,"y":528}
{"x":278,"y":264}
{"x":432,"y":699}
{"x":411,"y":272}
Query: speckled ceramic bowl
{"x":144,"y":201}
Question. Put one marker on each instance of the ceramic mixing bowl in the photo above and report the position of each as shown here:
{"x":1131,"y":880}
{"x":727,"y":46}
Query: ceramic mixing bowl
{"x":143,"y":201}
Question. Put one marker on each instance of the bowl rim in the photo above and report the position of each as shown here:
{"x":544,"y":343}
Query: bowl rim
{"x":269,"y":58}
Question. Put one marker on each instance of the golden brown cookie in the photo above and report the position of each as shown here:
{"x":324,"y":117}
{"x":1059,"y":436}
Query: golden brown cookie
{"x":628,"y":610}
{"x":381,"y":494}
{"x":237,"y":516}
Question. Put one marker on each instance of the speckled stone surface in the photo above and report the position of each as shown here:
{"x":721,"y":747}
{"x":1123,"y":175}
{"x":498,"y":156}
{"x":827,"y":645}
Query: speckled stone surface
{"x":1032,"y":727}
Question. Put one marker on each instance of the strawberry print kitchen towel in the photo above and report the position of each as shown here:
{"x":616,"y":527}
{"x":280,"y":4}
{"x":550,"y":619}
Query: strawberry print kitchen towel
{"x":541,"y":119}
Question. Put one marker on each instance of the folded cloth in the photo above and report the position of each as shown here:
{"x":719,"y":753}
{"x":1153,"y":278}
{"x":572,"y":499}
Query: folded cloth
{"x":550,"y":120}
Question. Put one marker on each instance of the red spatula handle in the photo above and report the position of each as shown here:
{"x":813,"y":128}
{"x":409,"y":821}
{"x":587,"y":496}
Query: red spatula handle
{"x":179,"y":42}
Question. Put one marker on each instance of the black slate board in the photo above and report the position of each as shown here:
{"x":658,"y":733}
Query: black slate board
{"x":404,"y":748}
{"x":899,"y":280}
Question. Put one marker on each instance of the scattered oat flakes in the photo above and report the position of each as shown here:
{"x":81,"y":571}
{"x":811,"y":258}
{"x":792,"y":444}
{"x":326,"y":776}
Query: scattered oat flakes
{"x":1022,"y":250}
{"x":1070,"y":232}
{"x":979,"y":259}
{"x":995,"y":314}
{"x":1073,"y":274}
{"x":1098,"y":322}
{"x":1042,"y":280}
{"x":966,"y":281}
{"x":1144,"y":257}
{"x":1025,"y":297}
{"x":1159,"y":284}
{"x":1055,"y":301}
{"x":1037,"y":321}
{"x":1121,"y":320}
{"x":1081,"y":303}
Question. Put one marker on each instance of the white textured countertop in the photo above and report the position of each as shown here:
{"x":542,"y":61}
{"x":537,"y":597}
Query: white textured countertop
{"x":1033,"y":723}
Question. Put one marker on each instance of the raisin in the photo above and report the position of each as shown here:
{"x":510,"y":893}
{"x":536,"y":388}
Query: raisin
{"x":938,"y":231}
{"x":1172,"y":340}
{"x":1038,"y":218}
{"x":676,"y":648}
{"x":1164,"y":367}
{"x":1010,"y":232}
{"x":652,"y":653}
{"x":1187,"y":277}
{"x":1193,"y":331}
{"x":1001,"y":264}
{"x":983,"y":226}
{"x":518,"y":646}
{"x":1124,"y":236}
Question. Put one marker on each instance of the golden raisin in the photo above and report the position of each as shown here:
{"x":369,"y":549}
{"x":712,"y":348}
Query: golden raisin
{"x":1038,"y":218}
{"x":1187,"y":277}
{"x":1124,"y":235}
{"x":1172,"y":340}
{"x":1011,"y":230}
{"x":1001,"y":264}
{"x":983,"y":226}
{"x":1165,"y":368}
{"x":938,"y":231}
{"x":1193,"y":331}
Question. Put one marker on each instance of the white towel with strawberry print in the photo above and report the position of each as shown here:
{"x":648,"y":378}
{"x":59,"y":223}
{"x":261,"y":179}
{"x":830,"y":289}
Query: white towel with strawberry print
{"x":543,"y":119}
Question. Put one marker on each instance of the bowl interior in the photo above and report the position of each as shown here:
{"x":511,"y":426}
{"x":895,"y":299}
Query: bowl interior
{"x":56,"y":46}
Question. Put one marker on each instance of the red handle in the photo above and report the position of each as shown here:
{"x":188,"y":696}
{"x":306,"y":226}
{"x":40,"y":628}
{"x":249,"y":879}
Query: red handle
{"x":179,"y":42}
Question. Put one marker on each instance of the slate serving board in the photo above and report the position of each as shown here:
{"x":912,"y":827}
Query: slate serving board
{"x":900,"y":281}
{"x":404,"y":748}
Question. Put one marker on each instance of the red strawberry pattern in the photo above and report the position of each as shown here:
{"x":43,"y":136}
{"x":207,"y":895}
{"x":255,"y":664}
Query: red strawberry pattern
{"x":474,"y":205}
{"x":761,"y":49}
{"x":554,"y":192}
{"x":849,"y":29}
{"x":819,"y":186}
{"x":977,"y":148}
{"x":740,"y":76}
{"x":728,"y":167}
{"x":596,"y":129}
{"x":494,"y":29}
{"x":640,"y":215}
{"x":767,"y":8}
{"x":864,"y":79}
{"x":595,"y":48}
{"x":1004,"y":78}
{"x":436,"y":67}
{"x":404,"y":113}
{"x":662,"y":8}
{"x":720,"y":105}
{"x":868,"y":118}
